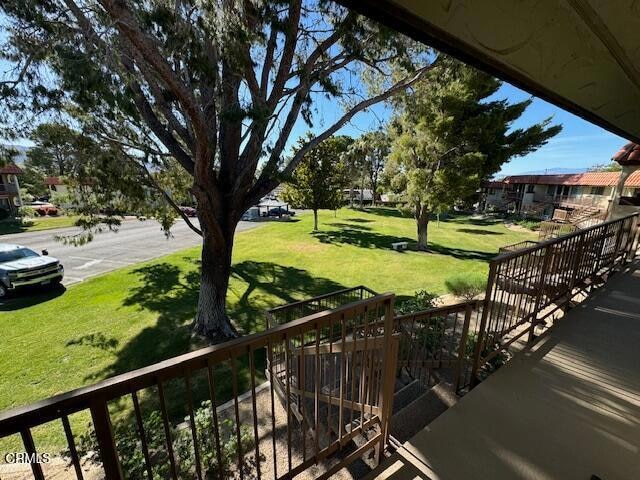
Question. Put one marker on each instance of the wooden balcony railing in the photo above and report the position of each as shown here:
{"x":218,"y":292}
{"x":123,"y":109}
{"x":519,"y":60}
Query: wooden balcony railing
{"x":292,"y":311}
{"x":331,"y":374}
{"x":350,"y":350}
{"x":526,"y":287}
{"x":438,"y":344}
{"x":8,"y":189}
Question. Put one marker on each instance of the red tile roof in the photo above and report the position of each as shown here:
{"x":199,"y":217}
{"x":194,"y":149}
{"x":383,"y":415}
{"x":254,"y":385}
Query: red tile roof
{"x":628,"y":155}
{"x":53,"y":181}
{"x":11,"y":169}
{"x":591,"y":179}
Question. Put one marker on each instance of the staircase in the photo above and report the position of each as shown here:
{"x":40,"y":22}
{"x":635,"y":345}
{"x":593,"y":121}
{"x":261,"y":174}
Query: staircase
{"x":584,"y":213}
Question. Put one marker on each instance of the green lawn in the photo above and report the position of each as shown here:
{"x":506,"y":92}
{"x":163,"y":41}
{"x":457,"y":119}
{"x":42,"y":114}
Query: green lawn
{"x":141,"y":314}
{"x":36,"y":224}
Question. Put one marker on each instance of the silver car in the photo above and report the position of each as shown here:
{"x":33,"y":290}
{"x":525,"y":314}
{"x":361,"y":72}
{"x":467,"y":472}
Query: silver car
{"x":20,"y":266}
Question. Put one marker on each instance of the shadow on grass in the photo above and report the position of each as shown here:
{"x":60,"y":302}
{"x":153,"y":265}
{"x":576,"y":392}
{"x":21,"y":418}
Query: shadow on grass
{"x":385,"y":212}
{"x":359,"y":220}
{"x":359,"y":237}
{"x":467,"y":220}
{"x":460,"y":253}
{"x":478,"y":231}
{"x":11,"y":226}
{"x":95,"y":340}
{"x":173,"y":293}
{"x":30,"y":296}
{"x":348,"y":225}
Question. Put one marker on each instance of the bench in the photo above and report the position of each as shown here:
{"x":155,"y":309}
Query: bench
{"x":400,"y":245}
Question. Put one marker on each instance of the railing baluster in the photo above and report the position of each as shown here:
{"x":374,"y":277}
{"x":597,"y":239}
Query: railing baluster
{"x":104,"y":435}
{"x":234,"y":383}
{"x":167,"y":430}
{"x":192,"y":424}
{"x":287,"y":359}
{"x":273,"y":410}
{"x":316,"y":404}
{"x":256,"y":438}
{"x":142,"y":433}
{"x":75,"y":460}
{"x":30,"y":448}
{"x":214,"y":415}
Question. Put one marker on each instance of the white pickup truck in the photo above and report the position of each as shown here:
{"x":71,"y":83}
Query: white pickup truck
{"x":20,"y":266}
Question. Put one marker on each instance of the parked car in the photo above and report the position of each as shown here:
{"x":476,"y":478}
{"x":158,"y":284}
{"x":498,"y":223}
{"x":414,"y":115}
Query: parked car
{"x":189,"y":211}
{"x":279,"y":211}
{"x":20,"y":266}
{"x":43,"y":208}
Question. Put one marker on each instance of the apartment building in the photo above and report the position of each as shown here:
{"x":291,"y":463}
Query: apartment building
{"x":541,"y":194}
{"x":10,"y":188}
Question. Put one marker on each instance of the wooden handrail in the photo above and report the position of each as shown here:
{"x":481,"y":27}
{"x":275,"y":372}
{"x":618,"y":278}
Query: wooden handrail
{"x":527,"y":286}
{"x":79,"y":399}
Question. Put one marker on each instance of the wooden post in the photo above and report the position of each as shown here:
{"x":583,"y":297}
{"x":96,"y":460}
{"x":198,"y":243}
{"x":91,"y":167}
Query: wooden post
{"x":106,"y":442}
{"x":463,"y":346}
{"x":30,"y":448}
{"x":389,"y":360}
{"x":548,"y":253}
{"x":483,"y":322}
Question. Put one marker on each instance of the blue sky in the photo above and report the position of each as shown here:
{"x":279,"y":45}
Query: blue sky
{"x":580,"y":144}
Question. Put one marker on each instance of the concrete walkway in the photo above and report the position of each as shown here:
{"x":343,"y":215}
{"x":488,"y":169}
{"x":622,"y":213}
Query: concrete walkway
{"x":568,"y":408}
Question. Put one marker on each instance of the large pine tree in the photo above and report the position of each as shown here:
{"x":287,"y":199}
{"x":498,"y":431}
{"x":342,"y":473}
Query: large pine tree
{"x":450,"y":134}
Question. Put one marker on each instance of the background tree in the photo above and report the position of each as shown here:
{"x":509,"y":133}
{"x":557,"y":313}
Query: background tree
{"x":55,"y":151}
{"x":606,"y":167}
{"x":318,"y":180}
{"x":216,"y":86}
{"x":8,"y":155}
{"x":448,"y":136}
{"x":375,"y":147}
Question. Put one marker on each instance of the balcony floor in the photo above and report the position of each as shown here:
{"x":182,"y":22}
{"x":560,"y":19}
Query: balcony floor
{"x":568,"y":408}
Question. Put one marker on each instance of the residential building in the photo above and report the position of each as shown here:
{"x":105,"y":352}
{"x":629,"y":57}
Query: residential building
{"x":541,"y":194}
{"x":10,"y":188}
{"x":56,"y":186}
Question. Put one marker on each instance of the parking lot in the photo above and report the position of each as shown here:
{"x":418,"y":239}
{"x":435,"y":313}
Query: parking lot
{"x":135,"y":241}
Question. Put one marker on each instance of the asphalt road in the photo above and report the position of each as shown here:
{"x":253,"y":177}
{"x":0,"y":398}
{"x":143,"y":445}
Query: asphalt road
{"x":135,"y":241}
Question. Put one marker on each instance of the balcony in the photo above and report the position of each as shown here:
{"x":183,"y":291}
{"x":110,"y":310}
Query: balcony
{"x":8,"y":190}
{"x":333,"y":386}
{"x":566,"y":407}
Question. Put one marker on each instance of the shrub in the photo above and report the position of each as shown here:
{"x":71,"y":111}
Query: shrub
{"x":26,"y":212}
{"x":406,"y":212}
{"x":132,"y":457}
{"x":466,"y":286}
{"x":421,"y":300}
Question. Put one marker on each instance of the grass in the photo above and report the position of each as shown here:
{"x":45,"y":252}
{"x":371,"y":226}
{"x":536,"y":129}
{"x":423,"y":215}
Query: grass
{"x":139,"y":315}
{"x":36,"y":224}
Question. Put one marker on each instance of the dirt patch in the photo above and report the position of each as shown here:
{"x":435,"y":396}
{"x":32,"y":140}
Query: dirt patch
{"x":518,"y":228}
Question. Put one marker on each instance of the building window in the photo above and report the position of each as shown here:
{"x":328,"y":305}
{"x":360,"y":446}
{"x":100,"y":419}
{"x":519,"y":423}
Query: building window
{"x":551,"y":190}
{"x":530,"y":188}
{"x":597,"y":190}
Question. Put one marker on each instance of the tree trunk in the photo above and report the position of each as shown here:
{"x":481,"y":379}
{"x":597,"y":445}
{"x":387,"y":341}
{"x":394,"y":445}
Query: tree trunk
{"x":422,"y":220}
{"x":351,"y":195}
{"x":362,"y":192}
{"x":315,"y":220}
{"x":211,"y":318}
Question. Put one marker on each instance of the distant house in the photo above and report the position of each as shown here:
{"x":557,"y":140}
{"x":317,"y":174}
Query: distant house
{"x":367,"y":195}
{"x":56,"y":185}
{"x":541,"y":194}
{"x":10,"y":189}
